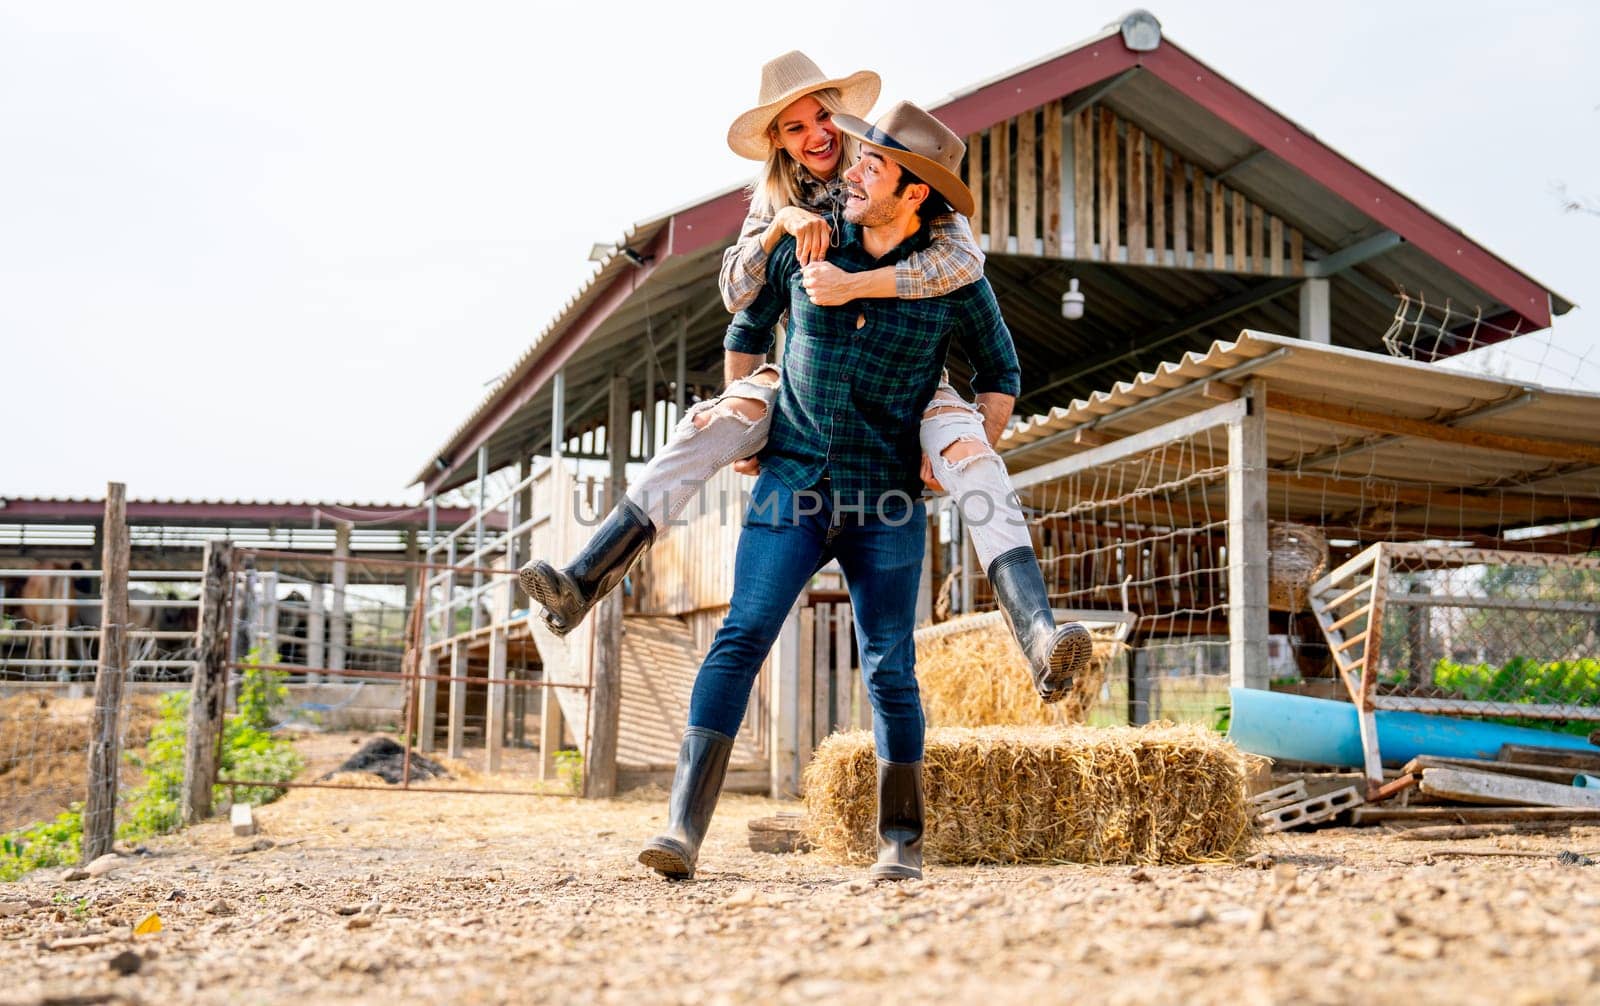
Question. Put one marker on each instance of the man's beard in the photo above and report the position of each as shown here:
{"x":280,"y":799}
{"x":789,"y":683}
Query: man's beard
{"x":874,"y":213}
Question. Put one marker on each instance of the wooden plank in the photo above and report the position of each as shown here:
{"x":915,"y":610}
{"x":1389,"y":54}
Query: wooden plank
{"x":1180,"y":214}
{"x":1544,"y":773}
{"x":1083,"y":177}
{"x":1275,"y":242}
{"x":1158,"y":201}
{"x":1453,"y":832}
{"x":1576,"y":761}
{"x":1258,"y":261}
{"x":105,"y":742}
{"x":1383,"y":422}
{"x":208,"y":692}
{"x":494,"y":720}
{"x":550,"y":731}
{"x":822,"y":664}
{"x":1138,"y":239}
{"x":1297,"y":256}
{"x":1027,"y":185}
{"x":428,"y":701}
{"x":1360,"y":612}
{"x":999,"y":214}
{"x":1238,"y":263}
{"x":1110,"y":211}
{"x":1485,"y":787}
{"x":843,"y":667}
{"x":1219,"y":228}
{"x":784,"y":697}
{"x":805,"y":701}
{"x":455,"y":731}
{"x":1050,"y":198}
{"x":1473,"y":815}
{"x":975,"y":183}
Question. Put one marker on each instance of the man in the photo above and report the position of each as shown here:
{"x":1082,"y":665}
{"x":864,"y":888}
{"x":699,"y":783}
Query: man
{"x":842,"y":470}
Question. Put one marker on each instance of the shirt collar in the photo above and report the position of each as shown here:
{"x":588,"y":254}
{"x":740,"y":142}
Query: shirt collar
{"x":919,"y":239}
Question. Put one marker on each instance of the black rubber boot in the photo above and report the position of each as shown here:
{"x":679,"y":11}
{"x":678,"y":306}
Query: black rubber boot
{"x":1056,"y":654}
{"x":702,"y":764}
{"x":568,"y":594}
{"x":899,"y":821}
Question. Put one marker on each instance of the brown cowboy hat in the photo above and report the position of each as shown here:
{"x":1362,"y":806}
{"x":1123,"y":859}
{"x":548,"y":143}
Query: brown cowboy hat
{"x":785,"y":80}
{"x":922,"y":145}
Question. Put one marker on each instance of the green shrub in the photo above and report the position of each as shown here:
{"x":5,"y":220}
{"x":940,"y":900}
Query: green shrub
{"x":47,"y":843}
{"x":1524,"y":681}
{"x":569,"y":766}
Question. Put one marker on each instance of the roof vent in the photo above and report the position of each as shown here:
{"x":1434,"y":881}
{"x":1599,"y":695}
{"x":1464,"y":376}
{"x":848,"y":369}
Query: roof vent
{"x":1141,"y":32}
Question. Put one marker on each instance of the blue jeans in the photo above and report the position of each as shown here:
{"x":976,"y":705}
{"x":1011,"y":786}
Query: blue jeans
{"x":787,"y":537}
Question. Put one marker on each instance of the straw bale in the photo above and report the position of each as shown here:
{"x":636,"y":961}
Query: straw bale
{"x":973,"y":677}
{"x":1162,"y":793}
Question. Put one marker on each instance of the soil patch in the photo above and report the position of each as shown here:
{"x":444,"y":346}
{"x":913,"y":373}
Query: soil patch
{"x":385,"y":758}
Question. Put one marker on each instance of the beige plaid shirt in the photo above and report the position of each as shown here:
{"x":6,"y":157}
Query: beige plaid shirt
{"x":952,"y":261}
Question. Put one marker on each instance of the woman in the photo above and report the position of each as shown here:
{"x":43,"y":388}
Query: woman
{"x":803,"y":155}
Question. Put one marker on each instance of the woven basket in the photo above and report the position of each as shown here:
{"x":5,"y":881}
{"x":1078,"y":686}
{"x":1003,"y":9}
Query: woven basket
{"x":1296,"y":556}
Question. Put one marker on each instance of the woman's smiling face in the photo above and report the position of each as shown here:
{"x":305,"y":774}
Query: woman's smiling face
{"x":805,"y":130}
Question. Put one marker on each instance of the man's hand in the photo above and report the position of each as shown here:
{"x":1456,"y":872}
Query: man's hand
{"x":828,"y":286}
{"x":810,"y":232}
{"x":748,"y":466}
{"x":927,"y":476}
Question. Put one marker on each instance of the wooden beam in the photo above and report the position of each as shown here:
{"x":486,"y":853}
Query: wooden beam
{"x":1158,"y":201}
{"x":1238,"y":262}
{"x":1027,"y":186}
{"x":1138,"y":239}
{"x":1180,"y":214}
{"x":999,"y":215}
{"x":1275,"y":246}
{"x":105,"y":744}
{"x":550,"y":731}
{"x":1083,"y":176}
{"x":975,"y":183}
{"x":1247,"y":539}
{"x":1482,"y":787}
{"x":1110,"y":228}
{"x":1258,"y":261}
{"x":1346,"y":415}
{"x":1051,"y":201}
{"x":494,"y":719}
{"x":456,"y":727}
{"x":1144,"y":440}
{"x":605,"y":699}
{"x":1574,"y":760}
{"x":1219,"y":228}
{"x":208,"y":692}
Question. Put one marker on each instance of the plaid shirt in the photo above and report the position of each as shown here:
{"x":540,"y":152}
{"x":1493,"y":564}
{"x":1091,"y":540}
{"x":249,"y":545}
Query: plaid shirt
{"x":951,"y":260}
{"x":857,"y":377}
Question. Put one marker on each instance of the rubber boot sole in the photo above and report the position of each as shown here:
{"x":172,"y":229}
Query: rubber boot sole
{"x":893,"y":872}
{"x":1069,"y":658}
{"x":543,"y":583}
{"x":667,"y":858}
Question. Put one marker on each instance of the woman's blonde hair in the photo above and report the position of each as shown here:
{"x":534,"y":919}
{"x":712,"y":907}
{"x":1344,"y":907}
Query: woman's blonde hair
{"x":778,"y":183}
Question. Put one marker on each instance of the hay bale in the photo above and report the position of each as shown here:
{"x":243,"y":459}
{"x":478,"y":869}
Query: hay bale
{"x":972,"y":674}
{"x":1156,"y":794}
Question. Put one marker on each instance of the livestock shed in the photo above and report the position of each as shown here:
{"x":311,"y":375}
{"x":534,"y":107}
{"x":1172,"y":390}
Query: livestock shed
{"x":1183,"y":208}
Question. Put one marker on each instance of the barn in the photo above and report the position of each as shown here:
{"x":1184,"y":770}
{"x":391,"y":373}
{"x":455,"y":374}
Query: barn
{"x":1186,"y":211}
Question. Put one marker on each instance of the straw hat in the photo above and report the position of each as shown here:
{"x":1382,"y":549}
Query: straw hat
{"x":783,"y":81}
{"x":919,"y":143}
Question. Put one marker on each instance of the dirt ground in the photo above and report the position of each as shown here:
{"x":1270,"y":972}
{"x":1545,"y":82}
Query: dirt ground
{"x":384,"y":897}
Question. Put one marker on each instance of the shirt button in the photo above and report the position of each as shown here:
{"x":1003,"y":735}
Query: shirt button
{"x":861,"y":321}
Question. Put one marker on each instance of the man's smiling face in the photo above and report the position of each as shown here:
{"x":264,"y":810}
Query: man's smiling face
{"x":870,"y":197}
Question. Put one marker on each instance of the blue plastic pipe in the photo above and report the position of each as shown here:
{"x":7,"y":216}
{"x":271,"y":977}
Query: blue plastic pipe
{"x":1298,"y":728}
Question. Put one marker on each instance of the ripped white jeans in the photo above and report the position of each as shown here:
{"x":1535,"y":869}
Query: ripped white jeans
{"x":694,"y":452}
{"x":978,"y":483}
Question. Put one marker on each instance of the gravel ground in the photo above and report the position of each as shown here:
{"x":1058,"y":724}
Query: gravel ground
{"x":368,"y":896}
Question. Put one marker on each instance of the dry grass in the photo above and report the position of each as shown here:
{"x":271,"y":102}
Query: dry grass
{"x":978,"y":677}
{"x":44,"y":751}
{"x":1156,"y":794}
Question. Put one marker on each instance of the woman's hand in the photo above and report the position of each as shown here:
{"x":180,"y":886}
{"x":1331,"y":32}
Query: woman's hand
{"x":811,"y":234}
{"x":748,"y":466}
{"x":927,"y":476}
{"x":829,"y":286}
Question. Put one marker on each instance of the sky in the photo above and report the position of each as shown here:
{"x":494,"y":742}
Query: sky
{"x":281,"y":251}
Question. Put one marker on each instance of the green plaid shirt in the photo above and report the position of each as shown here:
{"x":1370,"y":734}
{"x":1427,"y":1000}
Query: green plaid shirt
{"x":857,"y":377}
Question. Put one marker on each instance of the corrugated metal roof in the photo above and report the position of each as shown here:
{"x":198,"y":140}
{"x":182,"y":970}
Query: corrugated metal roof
{"x":1310,"y":454}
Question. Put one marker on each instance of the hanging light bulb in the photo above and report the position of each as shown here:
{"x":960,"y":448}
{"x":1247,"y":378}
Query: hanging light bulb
{"x":1072,"y":302}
